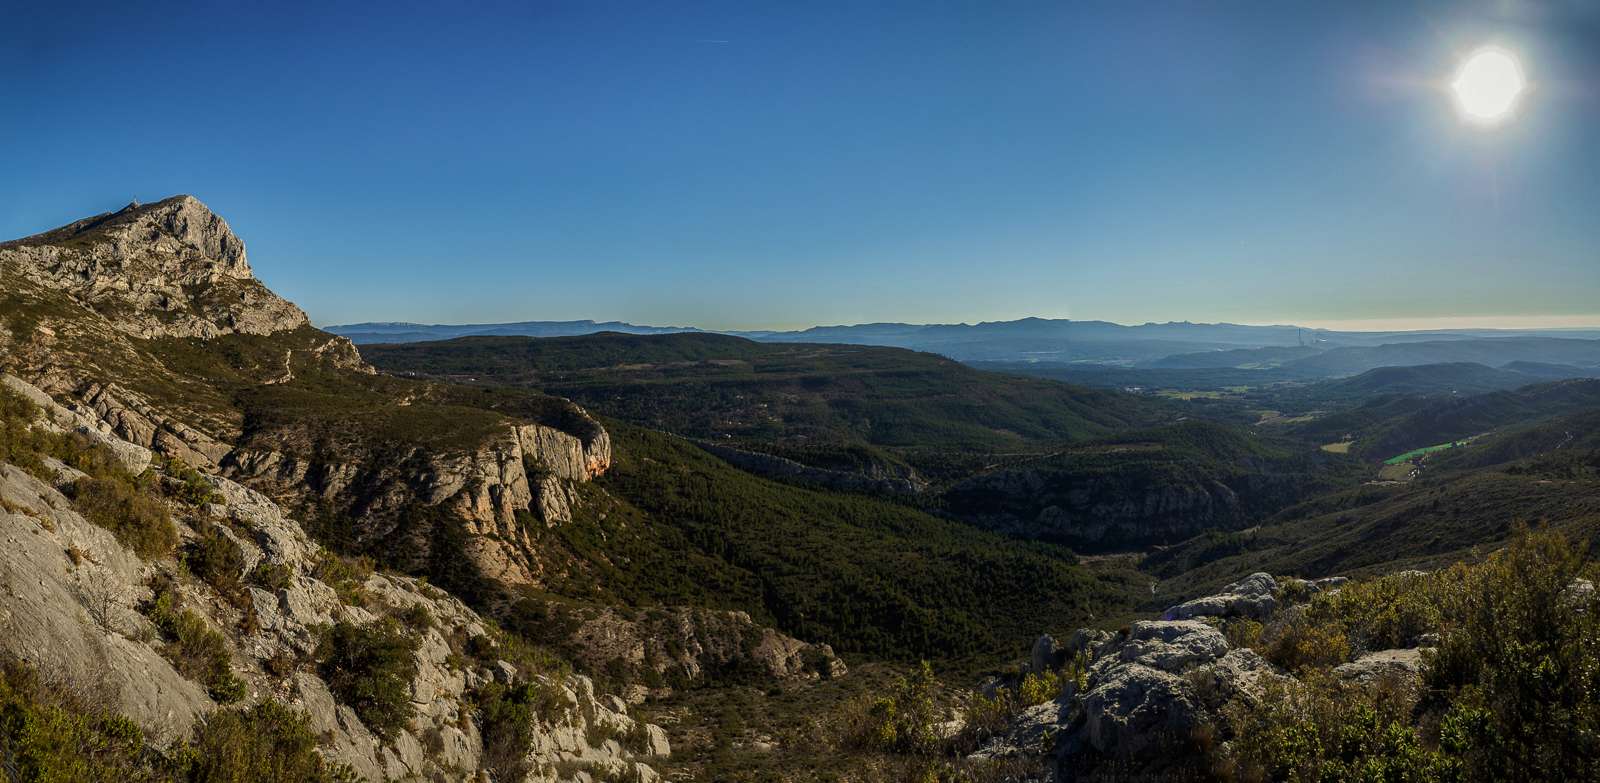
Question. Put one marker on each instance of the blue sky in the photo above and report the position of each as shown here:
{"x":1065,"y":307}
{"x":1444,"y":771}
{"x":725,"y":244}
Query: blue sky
{"x":748,"y":165}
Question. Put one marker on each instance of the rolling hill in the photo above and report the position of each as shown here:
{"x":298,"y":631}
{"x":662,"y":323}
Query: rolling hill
{"x":834,"y":406}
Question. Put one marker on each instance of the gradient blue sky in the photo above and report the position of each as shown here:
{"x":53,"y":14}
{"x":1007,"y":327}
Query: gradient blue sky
{"x":777,"y":165}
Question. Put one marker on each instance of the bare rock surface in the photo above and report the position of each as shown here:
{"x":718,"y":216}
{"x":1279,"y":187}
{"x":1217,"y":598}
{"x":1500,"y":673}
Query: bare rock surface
{"x":168,"y":269}
{"x":1249,"y":597}
{"x":1374,"y":666}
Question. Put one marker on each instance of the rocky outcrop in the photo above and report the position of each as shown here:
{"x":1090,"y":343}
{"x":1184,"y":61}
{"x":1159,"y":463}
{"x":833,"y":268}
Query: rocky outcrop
{"x":136,"y":421}
{"x":68,"y":593}
{"x":1145,"y":689}
{"x":783,"y":469}
{"x":59,"y":418}
{"x":168,"y":269}
{"x":1402,"y":663}
{"x":564,"y":455}
{"x":684,"y":645}
{"x":1251,"y":597}
{"x":525,"y":473}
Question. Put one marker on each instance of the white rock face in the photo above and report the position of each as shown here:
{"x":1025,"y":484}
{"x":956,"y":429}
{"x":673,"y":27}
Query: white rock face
{"x":168,"y":269}
{"x":77,"y":621}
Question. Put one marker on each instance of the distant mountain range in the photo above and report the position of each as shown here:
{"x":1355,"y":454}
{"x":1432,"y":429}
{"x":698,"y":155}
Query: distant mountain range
{"x":1172,"y":345}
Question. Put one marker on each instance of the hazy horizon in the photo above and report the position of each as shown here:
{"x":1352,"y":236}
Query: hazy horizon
{"x":1509,"y":323}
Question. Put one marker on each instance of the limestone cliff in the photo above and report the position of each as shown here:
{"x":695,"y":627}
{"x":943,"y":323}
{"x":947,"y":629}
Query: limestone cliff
{"x":149,"y":326}
{"x":168,"y":269}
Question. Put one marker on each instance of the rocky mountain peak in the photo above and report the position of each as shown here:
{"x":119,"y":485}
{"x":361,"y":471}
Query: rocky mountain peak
{"x":171,"y":268}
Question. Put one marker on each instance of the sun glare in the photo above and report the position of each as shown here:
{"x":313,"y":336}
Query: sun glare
{"x":1487,"y":85}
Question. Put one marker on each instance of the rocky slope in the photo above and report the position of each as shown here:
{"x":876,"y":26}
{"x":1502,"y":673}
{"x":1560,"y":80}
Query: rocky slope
{"x":149,"y":323}
{"x":143,"y":335}
{"x":1149,"y":699}
{"x":77,"y":604}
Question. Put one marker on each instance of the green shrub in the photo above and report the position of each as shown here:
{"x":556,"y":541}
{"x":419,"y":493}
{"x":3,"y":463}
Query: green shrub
{"x":1241,"y":631}
{"x":53,"y":733}
{"x":370,"y":668}
{"x":1509,"y":694}
{"x":265,"y":743}
{"x":1384,"y":613}
{"x":217,"y":559}
{"x":48,"y":734}
{"x":138,"y":520}
{"x":905,"y":721}
{"x":416,"y":617}
{"x":1519,"y":663}
{"x":272,"y":576}
{"x":1039,"y":687}
{"x":187,"y":485}
{"x":20,"y":443}
{"x":1297,"y":644}
{"x":195,"y":649}
{"x":346,"y":575}
{"x":1324,"y":730}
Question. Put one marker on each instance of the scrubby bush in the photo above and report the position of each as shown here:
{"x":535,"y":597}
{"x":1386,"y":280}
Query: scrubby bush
{"x":20,"y":443}
{"x":217,"y":559}
{"x":1039,"y":687}
{"x":50,"y":733}
{"x":903,"y":721}
{"x":370,"y":668}
{"x":261,"y":744}
{"x":1325,"y":730}
{"x":187,"y":485}
{"x":1510,"y":693}
{"x":1519,"y":663}
{"x":1296,"y":643}
{"x":271,"y":576}
{"x":416,"y":617}
{"x":195,"y":649}
{"x":137,"y":519}
{"x":1387,"y":612}
{"x":507,"y":715}
{"x":1241,"y":631}
{"x":346,"y":575}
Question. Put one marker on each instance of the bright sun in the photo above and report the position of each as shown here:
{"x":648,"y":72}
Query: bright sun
{"x":1487,"y":85}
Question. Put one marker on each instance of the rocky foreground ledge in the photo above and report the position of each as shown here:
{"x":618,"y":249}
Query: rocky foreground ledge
{"x":1131,"y":696}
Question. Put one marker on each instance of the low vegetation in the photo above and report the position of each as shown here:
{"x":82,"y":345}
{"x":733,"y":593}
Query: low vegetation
{"x":370,"y":668}
{"x":195,"y":649}
{"x":671,"y":524}
{"x":1507,"y":693}
{"x":52,"y":732}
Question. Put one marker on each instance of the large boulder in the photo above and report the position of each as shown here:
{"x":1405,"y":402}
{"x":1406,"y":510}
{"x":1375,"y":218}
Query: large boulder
{"x":1401,"y":663}
{"x":1251,"y":596}
{"x":1146,"y":689}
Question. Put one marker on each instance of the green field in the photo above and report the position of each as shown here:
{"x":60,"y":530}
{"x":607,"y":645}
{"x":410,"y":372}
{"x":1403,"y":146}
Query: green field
{"x":1414,"y":453}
